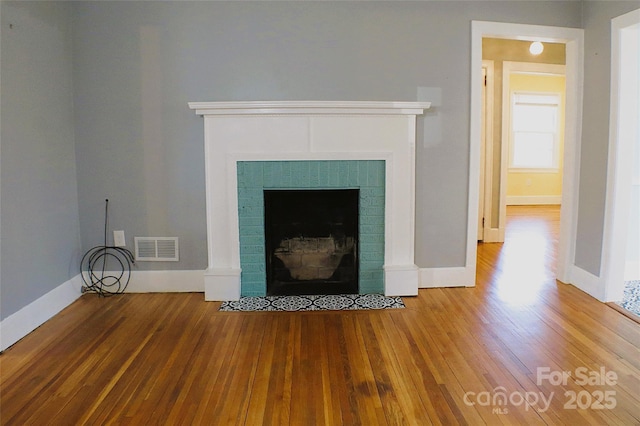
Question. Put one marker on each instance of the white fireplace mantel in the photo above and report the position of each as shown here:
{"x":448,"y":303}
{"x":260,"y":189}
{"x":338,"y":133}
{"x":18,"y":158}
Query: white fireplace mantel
{"x":308,"y":130}
{"x":309,"y":107}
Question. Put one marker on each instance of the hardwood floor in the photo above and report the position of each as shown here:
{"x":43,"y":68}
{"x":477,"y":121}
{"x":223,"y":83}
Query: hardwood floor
{"x":148,"y":359}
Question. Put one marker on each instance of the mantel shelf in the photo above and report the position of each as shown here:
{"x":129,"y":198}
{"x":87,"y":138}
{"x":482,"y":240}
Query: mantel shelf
{"x":309,"y":108}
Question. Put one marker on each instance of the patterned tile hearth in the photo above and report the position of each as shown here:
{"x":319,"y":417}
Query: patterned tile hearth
{"x":337,"y":302}
{"x":631,"y":298}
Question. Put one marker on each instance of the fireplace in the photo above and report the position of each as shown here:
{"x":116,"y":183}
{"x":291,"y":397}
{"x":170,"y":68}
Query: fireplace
{"x":311,"y":182}
{"x":254,"y":147}
{"x":311,"y":241}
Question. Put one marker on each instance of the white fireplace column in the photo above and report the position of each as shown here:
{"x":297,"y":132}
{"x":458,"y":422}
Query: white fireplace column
{"x":308,"y":130}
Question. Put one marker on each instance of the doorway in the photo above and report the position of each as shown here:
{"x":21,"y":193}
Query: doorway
{"x":532,"y":144}
{"x":573,"y":41}
{"x":621,"y":245}
{"x":539,"y":78}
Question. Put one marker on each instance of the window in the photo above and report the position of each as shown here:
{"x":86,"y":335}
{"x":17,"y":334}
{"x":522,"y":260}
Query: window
{"x":534,"y":131}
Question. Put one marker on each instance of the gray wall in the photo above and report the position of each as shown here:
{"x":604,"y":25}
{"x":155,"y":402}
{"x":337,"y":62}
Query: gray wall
{"x":40,"y":228}
{"x":597,"y":17}
{"x":138,"y":64}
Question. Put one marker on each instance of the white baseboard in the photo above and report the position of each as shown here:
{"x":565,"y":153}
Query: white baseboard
{"x":222,"y":284}
{"x":446,"y":277}
{"x":168,"y":281}
{"x":587,"y":282}
{"x":27,"y":319}
{"x":533,"y":200}
{"x":401,"y":280}
{"x":493,"y":235}
{"x":187,"y":281}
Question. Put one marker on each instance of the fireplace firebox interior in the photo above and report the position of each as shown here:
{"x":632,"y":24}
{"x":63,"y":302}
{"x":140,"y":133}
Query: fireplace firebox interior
{"x":311,"y":241}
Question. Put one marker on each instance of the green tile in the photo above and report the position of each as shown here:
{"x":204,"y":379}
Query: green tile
{"x":354,"y":173}
{"x":247,"y":240}
{"x":334,"y":172}
{"x":371,"y":219}
{"x":269,"y":174}
{"x":314,"y":174}
{"x":324,"y":170}
{"x":251,"y":221}
{"x":300,"y":174}
{"x":253,"y":177}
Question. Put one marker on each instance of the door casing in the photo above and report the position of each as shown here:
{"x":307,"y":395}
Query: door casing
{"x":573,"y":38}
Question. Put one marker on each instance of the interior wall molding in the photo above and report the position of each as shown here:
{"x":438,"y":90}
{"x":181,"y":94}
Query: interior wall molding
{"x":19,"y":324}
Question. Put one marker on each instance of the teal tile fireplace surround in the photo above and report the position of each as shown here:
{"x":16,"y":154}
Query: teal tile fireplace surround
{"x":256,"y":176}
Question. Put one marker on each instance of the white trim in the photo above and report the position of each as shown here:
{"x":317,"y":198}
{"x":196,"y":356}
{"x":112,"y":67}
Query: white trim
{"x":475,"y":141}
{"x":163,"y":281}
{"x":587,"y":282}
{"x":307,"y":156}
{"x":308,"y":107}
{"x":445,"y":277}
{"x":488,"y":147}
{"x":27,"y":319}
{"x":222,"y":284}
{"x":620,"y":156}
{"x":535,"y":68}
{"x":521,"y":170}
{"x":574,"y":40}
{"x":533,"y":200}
{"x":401,"y":280}
{"x":494,"y":235}
{"x":169,"y":281}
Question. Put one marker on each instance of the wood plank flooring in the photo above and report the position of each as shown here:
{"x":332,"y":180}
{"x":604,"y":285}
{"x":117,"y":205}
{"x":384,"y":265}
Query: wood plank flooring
{"x":173,"y":359}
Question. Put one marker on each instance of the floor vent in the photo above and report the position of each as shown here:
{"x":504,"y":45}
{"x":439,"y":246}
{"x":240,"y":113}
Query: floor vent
{"x":157,"y":249}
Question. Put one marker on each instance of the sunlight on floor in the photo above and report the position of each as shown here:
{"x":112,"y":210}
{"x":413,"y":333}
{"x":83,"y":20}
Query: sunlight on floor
{"x":524,"y":260}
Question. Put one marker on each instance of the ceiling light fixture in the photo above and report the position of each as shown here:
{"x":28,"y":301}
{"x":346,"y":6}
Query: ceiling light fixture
{"x":536,"y":48}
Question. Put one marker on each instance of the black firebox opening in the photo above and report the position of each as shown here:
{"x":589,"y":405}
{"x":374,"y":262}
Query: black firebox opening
{"x":311,"y":241}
